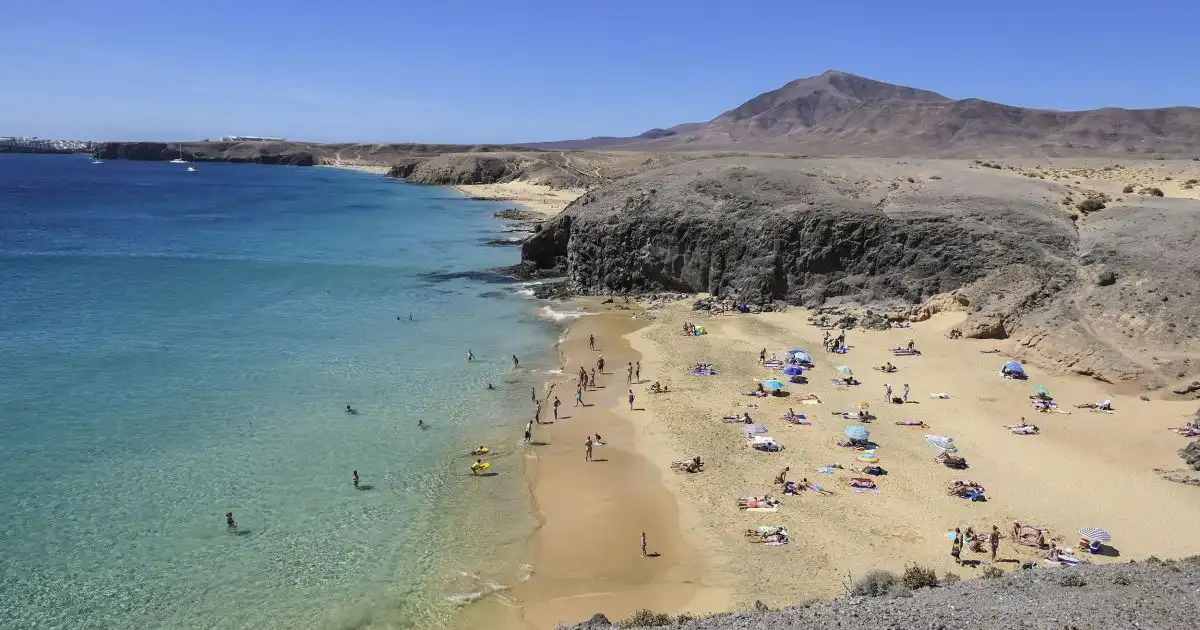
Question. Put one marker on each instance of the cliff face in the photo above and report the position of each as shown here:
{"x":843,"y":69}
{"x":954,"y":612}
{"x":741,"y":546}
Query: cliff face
{"x":815,"y":232}
{"x":294,"y":153}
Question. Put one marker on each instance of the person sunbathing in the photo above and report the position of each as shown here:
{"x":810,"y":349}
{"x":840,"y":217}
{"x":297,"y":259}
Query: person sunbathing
{"x":805,"y":485}
{"x":1104,"y":405}
{"x":862,"y":482}
{"x":1024,"y":428}
{"x":888,"y":368}
{"x":912,"y":423}
{"x":759,"y":392}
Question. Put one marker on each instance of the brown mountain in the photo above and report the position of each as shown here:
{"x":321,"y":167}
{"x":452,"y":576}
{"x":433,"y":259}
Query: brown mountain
{"x":838,"y":113}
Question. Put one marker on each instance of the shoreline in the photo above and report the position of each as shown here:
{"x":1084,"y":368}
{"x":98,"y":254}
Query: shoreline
{"x":537,"y":198}
{"x":363,"y":168}
{"x":588,"y":516}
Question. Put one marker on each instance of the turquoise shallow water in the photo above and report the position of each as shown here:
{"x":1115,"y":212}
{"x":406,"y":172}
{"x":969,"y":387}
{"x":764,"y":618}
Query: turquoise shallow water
{"x":177,"y":345}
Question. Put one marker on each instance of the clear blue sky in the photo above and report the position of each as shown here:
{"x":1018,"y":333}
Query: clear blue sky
{"x":507,"y":71}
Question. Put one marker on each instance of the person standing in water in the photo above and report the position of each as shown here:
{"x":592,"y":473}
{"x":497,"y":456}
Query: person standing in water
{"x":631,"y":400}
{"x":356,"y":480}
{"x":516,"y":362}
{"x":533,"y":394}
{"x":529,"y":431}
{"x":537,"y":412}
{"x":229,"y":522}
{"x":420,"y":423}
{"x":592,"y":342}
{"x":587,"y":456}
{"x":470,"y":356}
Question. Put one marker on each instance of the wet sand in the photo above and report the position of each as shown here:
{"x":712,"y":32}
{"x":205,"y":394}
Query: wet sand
{"x":585,"y":551}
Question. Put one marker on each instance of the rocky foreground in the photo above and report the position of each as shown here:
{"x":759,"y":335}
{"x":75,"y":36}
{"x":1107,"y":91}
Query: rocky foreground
{"x":1148,"y":595}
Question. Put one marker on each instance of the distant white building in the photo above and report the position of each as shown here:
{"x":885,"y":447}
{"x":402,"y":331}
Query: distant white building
{"x":251,"y":139}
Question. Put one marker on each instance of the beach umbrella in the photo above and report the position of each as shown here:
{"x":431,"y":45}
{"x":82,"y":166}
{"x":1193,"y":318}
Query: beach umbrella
{"x":857,"y":432}
{"x":792,"y":370}
{"x":867,"y":457}
{"x":772,"y":384}
{"x":1041,"y":389}
{"x":943,"y":444}
{"x":801,"y":356}
{"x":1095,"y":533}
{"x":1013,"y":366}
{"x":845,"y":371}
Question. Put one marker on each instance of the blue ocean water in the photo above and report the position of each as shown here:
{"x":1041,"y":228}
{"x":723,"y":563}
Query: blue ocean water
{"x":177,"y":345}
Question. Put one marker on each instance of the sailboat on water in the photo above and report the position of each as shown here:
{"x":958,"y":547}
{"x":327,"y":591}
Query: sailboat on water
{"x":179,"y":160}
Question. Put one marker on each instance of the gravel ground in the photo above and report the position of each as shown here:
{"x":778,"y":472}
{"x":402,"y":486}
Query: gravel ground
{"x":1145,"y":595}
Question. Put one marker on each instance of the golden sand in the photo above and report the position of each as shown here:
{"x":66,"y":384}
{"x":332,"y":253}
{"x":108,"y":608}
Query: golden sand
{"x":532,"y":197}
{"x":1084,"y":469}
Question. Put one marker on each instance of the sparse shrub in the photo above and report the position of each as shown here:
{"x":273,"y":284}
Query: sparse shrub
{"x":760,"y":606}
{"x":1090,"y":205}
{"x":874,"y":584}
{"x":1192,"y":181}
{"x":935,"y":177}
{"x":1153,"y":560}
{"x":1127,"y":189}
{"x":950,"y":578}
{"x":911,"y":180}
{"x":1072,"y":579}
{"x":899,"y":590}
{"x":1154,"y":192}
{"x":646,"y":617}
{"x":1121,"y":579}
{"x":683,"y":618}
{"x":917,"y":576}
{"x":992,"y":572}
{"x":1167,"y":178}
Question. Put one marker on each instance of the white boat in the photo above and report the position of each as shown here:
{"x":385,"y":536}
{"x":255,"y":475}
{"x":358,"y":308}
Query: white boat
{"x":97,"y":161}
{"x":191,"y":170}
{"x":179,"y":160}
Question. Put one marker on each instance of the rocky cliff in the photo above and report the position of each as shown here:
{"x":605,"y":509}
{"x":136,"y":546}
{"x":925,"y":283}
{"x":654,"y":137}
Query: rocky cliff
{"x":294,"y":153}
{"x":1074,"y":290}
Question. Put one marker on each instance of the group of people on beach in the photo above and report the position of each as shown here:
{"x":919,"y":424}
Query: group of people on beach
{"x":977,"y":542}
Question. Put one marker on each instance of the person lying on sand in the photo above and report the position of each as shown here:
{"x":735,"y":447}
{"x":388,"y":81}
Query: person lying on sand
{"x":1024,"y":428}
{"x":913,"y":423}
{"x":764,"y":501}
{"x":1103,"y":405}
{"x":657,"y":388}
{"x":863,"y":483}
{"x":887,"y":368}
{"x":760,"y":392}
{"x":806,"y":485}
{"x":692,"y":466}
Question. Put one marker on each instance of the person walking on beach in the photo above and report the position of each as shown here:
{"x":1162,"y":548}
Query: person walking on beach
{"x":637,"y":372}
{"x":600,"y":364}
{"x":516,"y":362}
{"x":887,"y":392}
{"x":592,"y":342}
{"x":578,"y":396}
{"x":557,"y":402}
{"x":906,"y":392}
{"x":762,"y":356}
{"x":533,"y":394}
{"x":537,"y":412}
{"x":592,"y":380}
{"x":529,"y":431}
{"x":629,"y":373}
{"x":587,"y":456}
{"x":356,"y":480}
{"x":631,"y":400}
{"x":956,"y":546}
{"x":994,"y":541}
{"x":644,"y":554}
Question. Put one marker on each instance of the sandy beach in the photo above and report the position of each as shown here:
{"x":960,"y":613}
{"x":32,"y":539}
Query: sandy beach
{"x":533,"y":197}
{"x":365,"y":168}
{"x":1085,"y":468}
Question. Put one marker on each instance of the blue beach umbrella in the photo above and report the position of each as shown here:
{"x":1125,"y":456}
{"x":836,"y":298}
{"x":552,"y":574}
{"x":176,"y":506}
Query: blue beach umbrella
{"x":1013,"y":366}
{"x":792,"y":370}
{"x":857,"y":432}
{"x":801,"y":356}
{"x":772,"y":384}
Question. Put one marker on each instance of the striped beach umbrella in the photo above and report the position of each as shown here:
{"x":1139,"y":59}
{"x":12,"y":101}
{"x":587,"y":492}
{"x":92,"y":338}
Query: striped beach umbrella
{"x":857,"y":432}
{"x":772,"y":384}
{"x":867,"y":457}
{"x":1095,"y":533}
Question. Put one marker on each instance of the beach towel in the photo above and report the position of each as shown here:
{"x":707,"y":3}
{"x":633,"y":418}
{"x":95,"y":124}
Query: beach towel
{"x":809,"y":399}
{"x":940,"y":396}
{"x":732,"y":419}
{"x":763,"y":509}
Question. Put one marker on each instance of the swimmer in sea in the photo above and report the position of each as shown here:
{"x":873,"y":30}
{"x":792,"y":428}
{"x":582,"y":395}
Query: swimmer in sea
{"x":229,"y":522}
{"x":420,"y":423}
{"x":356,"y":479}
{"x":470,"y":356}
{"x":516,"y":362}
{"x":490,"y":386}
{"x":410,"y":317}
{"x":350,"y":410}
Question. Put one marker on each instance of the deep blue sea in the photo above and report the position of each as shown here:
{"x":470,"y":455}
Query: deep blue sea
{"x":177,"y":345}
